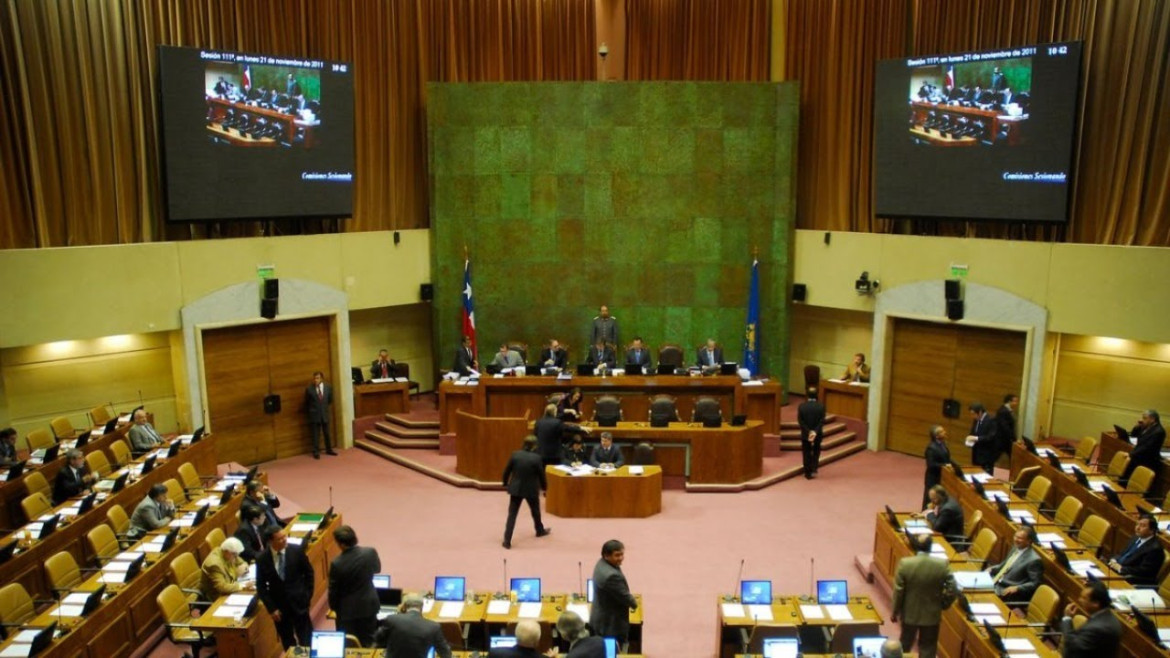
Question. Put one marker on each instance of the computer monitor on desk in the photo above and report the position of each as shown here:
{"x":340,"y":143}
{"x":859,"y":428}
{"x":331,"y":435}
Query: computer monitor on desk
{"x":449,"y":588}
{"x":832,"y":592}
{"x":501,"y":642}
{"x":527,"y":589}
{"x":868,"y":647}
{"x":327,"y":644}
{"x":755,"y":592}
{"x":781,"y":647}
{"x":381,"y":581}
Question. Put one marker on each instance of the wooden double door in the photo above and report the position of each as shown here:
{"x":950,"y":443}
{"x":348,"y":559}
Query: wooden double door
{"x":934,"y":362}
{"x":244,"y":364}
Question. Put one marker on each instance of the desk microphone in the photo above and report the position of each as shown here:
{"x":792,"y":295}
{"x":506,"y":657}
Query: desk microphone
{"x":505,"y":590}
{"x":738,"y":579}
{"x":812,"y":579}
{"x":331,"y":496}
{"x":580,"y":582}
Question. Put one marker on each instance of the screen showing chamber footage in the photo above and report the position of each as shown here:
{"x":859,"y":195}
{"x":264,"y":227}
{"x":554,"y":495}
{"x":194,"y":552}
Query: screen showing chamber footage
{"x":977,"y":135}
{"x":253,"y":136}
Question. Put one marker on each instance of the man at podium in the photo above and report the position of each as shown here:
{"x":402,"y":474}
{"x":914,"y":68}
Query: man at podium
{"x":382,"y":367}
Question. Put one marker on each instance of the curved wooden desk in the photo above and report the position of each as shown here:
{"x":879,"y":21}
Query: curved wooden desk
{"x":616,"y":494}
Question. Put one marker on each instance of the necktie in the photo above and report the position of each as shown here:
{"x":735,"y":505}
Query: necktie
{"x":385,"y":372}
{"x":710,"y":357}
{"x":1130,"y":551}
{"x":321,"y":392}
{"x":1006,"y":566}
{"x":280,"y":564}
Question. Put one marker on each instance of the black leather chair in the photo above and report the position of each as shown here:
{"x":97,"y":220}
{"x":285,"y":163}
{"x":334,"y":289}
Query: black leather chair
{"x":707,"y":409}
{"x":662,"y":410}
{"x":607,"y":409}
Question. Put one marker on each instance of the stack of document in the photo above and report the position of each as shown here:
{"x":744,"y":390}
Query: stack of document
{"x":530,"y":610}
{"x":812,"y":612}
{"x":21,"y":644}
{"x":71,"y":606}
{"x":502,"y":607}
{"x":1085,"y":567}
{"x":973,"y":580}
{"x":451,"y":609}
{"x":759,"y":612}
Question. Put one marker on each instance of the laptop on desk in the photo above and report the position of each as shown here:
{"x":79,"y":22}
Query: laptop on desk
{"x":584,"y":369}
{"x":633,"y":368}
{"x":781,"y":647}
{"x":832,"y":592}
{"x":327,"y":644}
{"x":1122,"y":433}
{"x":868,"y":647}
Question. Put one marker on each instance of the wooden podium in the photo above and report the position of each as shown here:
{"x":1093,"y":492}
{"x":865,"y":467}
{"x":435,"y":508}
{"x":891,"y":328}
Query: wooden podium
{"x":382,"y":398}
{"x":845,"y":399}
{"x":616,"y":494}
{"x":484,"y":445}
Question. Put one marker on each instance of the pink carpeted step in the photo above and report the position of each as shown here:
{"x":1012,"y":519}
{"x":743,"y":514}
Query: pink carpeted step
{"x":453,"y":479}
{"x":767,"y":480}
{"x":406,"y":432}
{"x":410,"y":422}
{"x":392,"y":441}
{"x":865,"y":567}
{"x":830,"y":441}
{"x":794,"y":425}
{"x":794,"y":432}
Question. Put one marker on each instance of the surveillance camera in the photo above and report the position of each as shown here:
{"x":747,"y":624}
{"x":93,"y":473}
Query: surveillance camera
{"x":603,"y":50}
{"x":864,"y":286}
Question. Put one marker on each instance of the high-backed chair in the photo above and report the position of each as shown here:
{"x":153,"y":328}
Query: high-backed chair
{"x":176,"y":614}
{"x":400,"y":369}
{"x":62,"y":428}
{"x":671,"y":355}
{"x":16,"y":606}
{"x":120,"y":450}
{"x":62,"y":572}
{"x":1043,"y":607}
{"x":643,"y":454}
{"x":175,"y":491}
{"x":812,"y":377}
{"x":1068,"y":512}
{"x":35,"y":482}
{"x":120,"y":523}
{"x":103,"y":543}
{"x":705,"y":408}
{"x":100,"y":415}
{"x":98,"y":463}
{"x":1094,"y":532}
{"x":1024,"y":478}
{"x":970,"y":527}
{"x":983,"y":545}
{"x":185,"y":573}
{"x":1085,"y":449}
{"x":34,"y":505}
{"x":211,"y":542}
{"x":662,"y":409}
{"x":521,"y":347}
{"x":190,"y":479}
{"x":607,"y":408}
{"x":39,"y":439}
{"x":1037,"y":492}
{"x":1140,"y":481}
{"x":1117,"y":464}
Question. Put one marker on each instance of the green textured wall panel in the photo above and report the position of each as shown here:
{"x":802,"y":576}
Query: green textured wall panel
{"x":648,"y":197}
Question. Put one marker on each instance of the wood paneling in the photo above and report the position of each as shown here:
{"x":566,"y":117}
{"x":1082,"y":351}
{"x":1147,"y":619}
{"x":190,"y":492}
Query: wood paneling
{"x":243,"y":364}
{"x":932,"y":362}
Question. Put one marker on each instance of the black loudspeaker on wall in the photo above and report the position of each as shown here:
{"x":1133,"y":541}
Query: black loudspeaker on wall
{"x":271,"y":288}
{"x":950,"y":408}
{"x":799,"y":292}
{"x":271,"y":404}
{"x":426,"y":291}
{"x":954,"y":309}
{"x":953,"y":289}
{"x":268,"y":308}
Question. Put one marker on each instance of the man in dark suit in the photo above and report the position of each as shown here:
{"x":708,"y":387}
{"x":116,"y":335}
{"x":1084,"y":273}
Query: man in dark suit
{"x":1147,"y":451}
{"x":1141,"y":560}
{"x":284,"y":581}
{"x":944,"y":515}
{"x":998,"y":80}
{"x":938,"y":455}
{"x":8,"y":447}
{"x":1005,"y":424}
{"x":811,"y":416}
{"x":410,"y":635}
{"x":250,"y":532}
{"x":572,"y":630}
{"x":73,"y":479}
{"x":524,"y":479}
{"x":1021,"y":572}
{"x":984,"y":449}
{"x":600,"y":355}
{"x":605,"y":328}
{"x":382,"y":367}
{"x":923,"y":588}
{"x":318,"y":398}
{"x":550,"y":434}
{"x":638,"y":353}
{"x":612,"y":600}
{"x":465,"y":360}
{"x":351,"y":586}
{"x":710,"y":356}
{"x":1100,"y":636}
{"x":257,"y":496}
{"x":606,"y":453}
{"x":553,"y":356}
{"x":527,"y":640}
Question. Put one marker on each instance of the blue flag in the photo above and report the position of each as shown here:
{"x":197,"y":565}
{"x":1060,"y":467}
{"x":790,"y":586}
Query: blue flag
{"x":751,"y":332}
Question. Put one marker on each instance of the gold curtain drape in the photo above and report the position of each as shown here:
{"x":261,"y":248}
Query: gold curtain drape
{"x":698,"y":39}
{"x":1122,"y":149}
{"x":79,"y":113}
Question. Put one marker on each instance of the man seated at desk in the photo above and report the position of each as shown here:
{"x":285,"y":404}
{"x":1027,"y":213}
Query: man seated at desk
{"x":382,"y":367}
{"x":607,"y":454}
{"x":856,"y":371}
{"x":1018,"y":576}
{"x":507,"y":358}
{"x":154,"y":512}
{"x":553,"y":356}
{"x":1142,"y":559}
{"x":143,"y":437}
{"x":638,"y":354}
{"x":408,"y":633}
{"x":944,"y":514}
{"x":575,"y":453}
{"x":73,"y":479}
{"x":8,"y":447}
{"x":222,"y":570}
{"x":251,"y":532}
{"x":710,"y":356}
{"x":600,"y":355}
{"x":1100,"y":635}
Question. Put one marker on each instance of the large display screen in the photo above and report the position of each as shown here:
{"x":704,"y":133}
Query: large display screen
{"x":249,"y":136}
{"x":977,"y":135}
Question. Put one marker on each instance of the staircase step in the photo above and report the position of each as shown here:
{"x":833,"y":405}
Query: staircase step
{"x":392,"y":441}
{"x":405,"y":432}
{"x":794,"y":433}
{"x":452,"y":479}
{"x":830,"y":441}
{"x":412,"y":423}
{"x":827,"y":457}
{"x":795,"y":425}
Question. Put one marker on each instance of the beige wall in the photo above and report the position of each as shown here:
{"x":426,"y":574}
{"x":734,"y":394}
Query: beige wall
{"x":404,"y":331}
{"x":826,"y":337}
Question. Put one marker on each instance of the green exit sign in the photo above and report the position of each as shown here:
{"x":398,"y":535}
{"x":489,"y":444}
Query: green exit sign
{"x":266,"y":271}
{"x":958,"y":271}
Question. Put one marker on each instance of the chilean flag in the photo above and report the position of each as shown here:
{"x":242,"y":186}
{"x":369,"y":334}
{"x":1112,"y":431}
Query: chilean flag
{"x":468,"y":308}
{"x":950,"y":77}
{"x":247,"y":77}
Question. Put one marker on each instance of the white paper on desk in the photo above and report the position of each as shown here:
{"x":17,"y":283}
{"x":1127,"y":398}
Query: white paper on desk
{"x":981,"y":478}
{"x":1164,"y":634}
{"x":67,"y":610}
{"x":401,"y":380}
{"x":230,"y":611}
{"x":112,"y":577}
{"x":185,"y":437}
{"x":1018,"y":514}
{"x":984,"y":609}
{"x":183,"y":522}
{"x":839,"y":612}
{"x":116,"y":567}
{"x":837,"y":381}
{"x":582,"y":609}
{"x":238,"y":599}
{"x":562,"y":467}
{"x":973,"y":580}
{"x":998,"y":495}
{"x":451,"y":609}
{"x":381,"y":380}
{"x":428,"y":604}
{"x":1098,"y":485}
{"x":753,"y":382}
{"x":920,"y":530}
{"x":529,"y":610}
{"x":461,"y":382}
{"x":994,"y":620}
{"x":209,"y":500}
{"x":499,"y":375}
{"x":583,"y":469}
{"x":812,"y":612}
{"x":1084,"y":567}
{"x":865,"y":384}
{"x":1144,"y":599}
{"x":71,"y":511}
{"x":296,"y":541}
{"x":637,"y":470}
{"x":1017,"y":644}
{"x":27,"y":635}
{"x":303,"y":527}
{"x":17,"y":649}
{"x":34,"y":529}
{"x":731,"y":610}
{"x":1068,"y":467}
{"x":76,"y":598}
{"x":129,"y":556}
{"x":760,"y":612}
{"x":499,"y":607}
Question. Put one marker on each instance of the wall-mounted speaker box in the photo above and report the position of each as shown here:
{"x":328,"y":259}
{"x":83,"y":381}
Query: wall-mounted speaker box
{"x":953,"y":289}
{"x":268,"y":308}
{"x":271,"y":288}
{"x":271,"y":404}
{"x":955,"y":309}
{"x":426,"y":291}
{"x":799,"y":292}
{"x":951,"y":408}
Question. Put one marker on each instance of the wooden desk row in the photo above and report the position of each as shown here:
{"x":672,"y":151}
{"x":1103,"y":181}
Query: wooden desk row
{"x":1110,"y":445}
{"x":796,"y":611}
{"x":27,"y":567}
{"x":515,"y":396}
{"x":1066,"y":584}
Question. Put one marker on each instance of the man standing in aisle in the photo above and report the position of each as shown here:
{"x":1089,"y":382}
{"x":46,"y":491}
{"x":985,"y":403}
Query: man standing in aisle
{"x":351,"y":586}
{"x":318,"y":399}
{"x":811,"y":416}
{"x":284,"y":581}
{"x":923,"y":588}
{"x":524,"y":478}
{"x":612,"y":600}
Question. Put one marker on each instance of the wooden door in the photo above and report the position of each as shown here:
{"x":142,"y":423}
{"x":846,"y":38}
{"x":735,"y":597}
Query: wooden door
{"x":244,"y":364}
{"x":932,"y":362}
